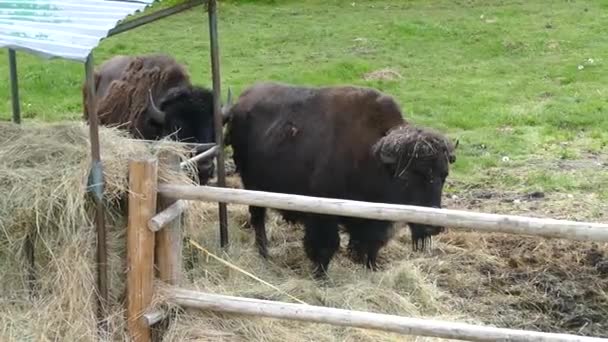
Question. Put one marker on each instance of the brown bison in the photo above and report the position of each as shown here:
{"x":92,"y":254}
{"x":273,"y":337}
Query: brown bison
{"x":152,"y":97}
{"x":338,"y":142}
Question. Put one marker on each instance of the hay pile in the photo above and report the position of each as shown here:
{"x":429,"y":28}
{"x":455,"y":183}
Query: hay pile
{"x":43,"y":177}
{"x":508,"y":281}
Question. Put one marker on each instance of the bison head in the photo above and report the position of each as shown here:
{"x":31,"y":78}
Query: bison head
{"x":418,"y":160}
{"x":186,"y":114}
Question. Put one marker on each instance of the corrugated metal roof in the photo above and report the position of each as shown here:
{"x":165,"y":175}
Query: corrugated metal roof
{"x":68,"y":29}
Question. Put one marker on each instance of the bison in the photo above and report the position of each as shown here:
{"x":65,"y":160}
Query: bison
{"x":152,"y":97}
{"x":339,"y":142}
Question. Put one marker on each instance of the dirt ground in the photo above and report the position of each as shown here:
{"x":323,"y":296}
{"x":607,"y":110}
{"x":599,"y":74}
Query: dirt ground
{"x":526,"y":282}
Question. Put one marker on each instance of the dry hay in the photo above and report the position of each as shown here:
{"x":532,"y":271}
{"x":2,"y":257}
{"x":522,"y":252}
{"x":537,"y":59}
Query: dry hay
{"x":494,"y":279}
{"x":508,"y":281}
{"x":43,"y":177}
{"x":401,"y":290}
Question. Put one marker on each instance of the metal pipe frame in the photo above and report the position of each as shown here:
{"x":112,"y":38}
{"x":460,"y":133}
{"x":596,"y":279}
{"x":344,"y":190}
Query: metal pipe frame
{"x":146,"y":19}
{"x":95,"y":187}
{"x":217,"y":114}
{"x":12,"y":61}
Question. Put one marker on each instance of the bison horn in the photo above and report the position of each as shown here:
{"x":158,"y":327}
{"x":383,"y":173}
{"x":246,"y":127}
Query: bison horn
{"x":155,"y":114}
{"x":379,"y":152}
{"x":456,"y":145}
{"x":387,"y":158}
{"x":229,"y":97}
{"x":227,"y":106}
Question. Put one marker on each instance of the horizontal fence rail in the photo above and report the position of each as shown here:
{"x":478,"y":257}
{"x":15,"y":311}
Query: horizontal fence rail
{"x":583,"y":231}
{"x":208,"y":154}
{"x":163,"y":218}
{"x":360,"y":319}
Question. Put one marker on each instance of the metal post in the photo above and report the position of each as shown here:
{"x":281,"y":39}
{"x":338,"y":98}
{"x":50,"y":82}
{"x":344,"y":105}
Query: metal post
{"x":12,"y":61}
{"x":215,"y":71}
{"x":156,"y":15}
{"x":96,"y":185}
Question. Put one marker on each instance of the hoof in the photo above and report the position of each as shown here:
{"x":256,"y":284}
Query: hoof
{"x":320,"y":274}
{"x":372,"y":266}
{"x":263,"y":251}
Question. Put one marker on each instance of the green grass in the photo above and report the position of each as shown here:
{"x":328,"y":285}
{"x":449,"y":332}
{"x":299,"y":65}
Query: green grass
{"x":501,"y":76}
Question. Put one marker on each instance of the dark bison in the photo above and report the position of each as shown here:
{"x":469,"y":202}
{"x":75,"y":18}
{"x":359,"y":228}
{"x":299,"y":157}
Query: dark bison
{"x":152,"y":97}
{"x":337,"y":142}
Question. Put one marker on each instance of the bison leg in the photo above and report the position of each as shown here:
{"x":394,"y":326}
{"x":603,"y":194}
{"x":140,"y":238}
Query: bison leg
{"x":373,"y":248}
{"x":258,"y":221}
{"x":289,"y":217}
{"x":367,"y":237}
{"x":321,"y":241}
{"x":365,"y":252}
{"x":356,"y":250}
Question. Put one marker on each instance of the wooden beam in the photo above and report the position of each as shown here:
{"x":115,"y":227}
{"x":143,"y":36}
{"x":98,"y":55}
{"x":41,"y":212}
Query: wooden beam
{"x":140,"y":245}
{"x":511,"y":224}
{"x":169,"y":240}
{"x":167,"y":216}
{"x":360,"y":319}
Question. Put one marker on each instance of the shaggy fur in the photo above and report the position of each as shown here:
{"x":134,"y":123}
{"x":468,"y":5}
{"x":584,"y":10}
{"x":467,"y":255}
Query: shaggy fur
{"x":418,"y":155}
{"x":122,"y":85}
{"x":335,"y":142}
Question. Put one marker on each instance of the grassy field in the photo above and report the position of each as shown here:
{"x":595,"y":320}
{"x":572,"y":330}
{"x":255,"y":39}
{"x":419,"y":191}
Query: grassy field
{"x":521,"y":80}
{"x":522,"y":85}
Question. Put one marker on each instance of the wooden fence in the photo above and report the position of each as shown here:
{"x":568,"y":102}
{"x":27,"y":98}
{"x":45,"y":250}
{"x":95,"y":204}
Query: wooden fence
{"x":154,"y":240}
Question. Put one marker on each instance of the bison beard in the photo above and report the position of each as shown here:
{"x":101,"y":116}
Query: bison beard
{"x":336,"y":142}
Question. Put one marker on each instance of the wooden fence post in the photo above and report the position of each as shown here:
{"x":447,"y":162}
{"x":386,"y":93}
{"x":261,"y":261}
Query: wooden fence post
{"x":168,"y":249}
{"x":143,"y":182}
{"x":169,"y":239}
